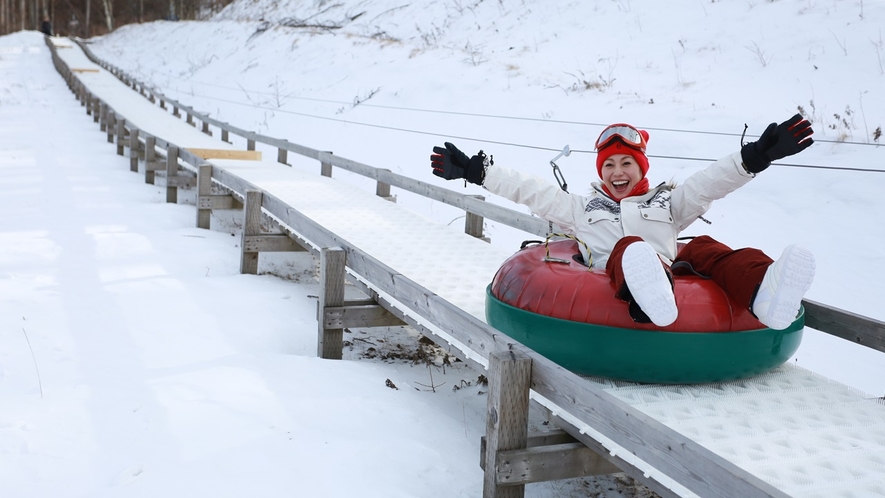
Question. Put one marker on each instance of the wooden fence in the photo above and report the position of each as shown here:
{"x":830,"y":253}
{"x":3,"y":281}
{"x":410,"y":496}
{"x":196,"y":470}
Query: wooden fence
{"x":511,"y":456}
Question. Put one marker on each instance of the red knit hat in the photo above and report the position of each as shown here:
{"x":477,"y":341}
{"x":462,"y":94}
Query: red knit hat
{"x":617,"y":146}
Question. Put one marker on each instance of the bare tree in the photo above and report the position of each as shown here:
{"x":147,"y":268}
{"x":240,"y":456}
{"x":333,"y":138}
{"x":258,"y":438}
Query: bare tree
{"x":108,"y":14}
{"x":74,"y":17}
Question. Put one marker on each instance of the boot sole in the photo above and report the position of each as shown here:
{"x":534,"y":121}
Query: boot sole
{"x":648,"y":283}
{"x":794,"y":281}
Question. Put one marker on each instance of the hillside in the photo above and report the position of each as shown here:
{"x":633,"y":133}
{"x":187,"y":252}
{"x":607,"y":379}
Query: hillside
{"x":382,"y":82}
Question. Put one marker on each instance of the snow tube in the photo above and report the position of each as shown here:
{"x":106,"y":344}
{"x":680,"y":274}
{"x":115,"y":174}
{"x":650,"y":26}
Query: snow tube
{"x":570,"y":314}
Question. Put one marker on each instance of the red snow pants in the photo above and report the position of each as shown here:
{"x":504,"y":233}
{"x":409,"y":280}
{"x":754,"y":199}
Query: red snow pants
{"x":739,"y":272}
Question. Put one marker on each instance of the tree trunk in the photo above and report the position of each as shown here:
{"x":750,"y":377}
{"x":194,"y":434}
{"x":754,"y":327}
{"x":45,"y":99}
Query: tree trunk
{"x":86,"y":30}
{"x":108,"y":14}
{"x":22,"y":14}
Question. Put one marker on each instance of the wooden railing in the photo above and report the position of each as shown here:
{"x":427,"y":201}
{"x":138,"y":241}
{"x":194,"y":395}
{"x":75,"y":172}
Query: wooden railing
{"x":577,"y":406}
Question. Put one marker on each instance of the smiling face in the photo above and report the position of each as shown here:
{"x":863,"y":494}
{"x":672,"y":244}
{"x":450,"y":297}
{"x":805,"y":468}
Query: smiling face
{"x":620,"y":173}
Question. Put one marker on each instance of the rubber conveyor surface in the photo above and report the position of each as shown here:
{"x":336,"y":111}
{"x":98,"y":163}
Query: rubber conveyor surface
{"x":136,"y":109}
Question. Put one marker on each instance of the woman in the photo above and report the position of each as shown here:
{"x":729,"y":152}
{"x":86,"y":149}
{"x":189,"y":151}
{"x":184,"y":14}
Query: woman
{"x":631,"y":229}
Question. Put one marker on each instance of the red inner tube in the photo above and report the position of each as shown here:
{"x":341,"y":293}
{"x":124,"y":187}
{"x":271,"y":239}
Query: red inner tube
{"x":571,"y":292}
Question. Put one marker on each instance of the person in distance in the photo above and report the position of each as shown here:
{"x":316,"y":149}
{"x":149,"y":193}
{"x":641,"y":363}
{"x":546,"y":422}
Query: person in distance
{"x":46,"y":26}
{"x":631,"y":228}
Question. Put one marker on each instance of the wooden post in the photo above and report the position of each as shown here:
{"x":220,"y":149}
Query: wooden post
{"x":510,"y":375}
{"x":175,"y":111}
{"x":87,"y":100}
{"x":473,"y":223}
{"x":103,"y":117}
{"x":133,"y":150}
{"x":283,"y":156}
{"x":162,"y":103}
{"x":150,"y":158}
{"x":121,"y":133}
{"x":326,"y":169}
{"x":110,"y":126}
{"x":96,"y":109}
{"x":250,"y":144}
{"x":330,"y":341}
{"x":383,"y":190}
{"x":206,"y":128}
{"x":204,"y":187}
{"x":190,"y":119}
{"x":251,"y":226}
{"x":225,"y":135}
{"x":171,"y":172}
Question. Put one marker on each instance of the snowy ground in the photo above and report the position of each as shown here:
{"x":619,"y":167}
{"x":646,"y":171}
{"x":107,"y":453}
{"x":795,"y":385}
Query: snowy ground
{"x":136,"y":361}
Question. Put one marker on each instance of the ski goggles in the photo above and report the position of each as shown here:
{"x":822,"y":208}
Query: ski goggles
{"x":626,"y":133}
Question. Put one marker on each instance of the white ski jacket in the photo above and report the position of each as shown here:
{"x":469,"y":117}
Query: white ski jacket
{"x":657,"y":216}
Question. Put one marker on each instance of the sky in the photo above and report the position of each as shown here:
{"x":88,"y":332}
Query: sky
{"x":137,"y":359}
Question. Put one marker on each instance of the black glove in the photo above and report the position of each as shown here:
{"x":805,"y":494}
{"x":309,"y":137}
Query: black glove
{"x":450,"y":163}
{"x":777,"y":142}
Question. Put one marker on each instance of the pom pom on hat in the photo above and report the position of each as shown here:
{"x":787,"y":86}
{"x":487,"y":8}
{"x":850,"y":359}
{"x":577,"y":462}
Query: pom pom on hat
{"x":619,"y":147}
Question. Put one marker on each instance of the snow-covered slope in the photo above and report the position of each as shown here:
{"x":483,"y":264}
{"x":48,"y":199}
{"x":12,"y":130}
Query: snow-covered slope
{"x":382,"y":82}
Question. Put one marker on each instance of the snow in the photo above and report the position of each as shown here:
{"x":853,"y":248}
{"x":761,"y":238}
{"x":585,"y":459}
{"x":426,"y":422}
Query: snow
{"x":136,"y":361}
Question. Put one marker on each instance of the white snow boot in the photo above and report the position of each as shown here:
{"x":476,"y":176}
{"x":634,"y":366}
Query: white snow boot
{"x":785,"y":283}
{"x":648,"y":283}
